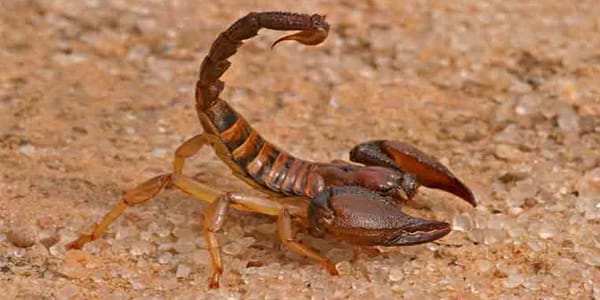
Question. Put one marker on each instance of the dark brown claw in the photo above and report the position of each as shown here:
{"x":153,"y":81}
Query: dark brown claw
{"x":406,"y":158}
{"x":361,"y":216}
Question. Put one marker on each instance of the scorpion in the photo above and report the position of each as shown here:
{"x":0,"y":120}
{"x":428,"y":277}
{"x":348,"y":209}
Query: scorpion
{"x":358,"y":201}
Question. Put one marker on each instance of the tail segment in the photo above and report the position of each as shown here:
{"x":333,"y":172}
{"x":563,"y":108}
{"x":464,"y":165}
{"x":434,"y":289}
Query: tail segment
{"x":313,"y":30}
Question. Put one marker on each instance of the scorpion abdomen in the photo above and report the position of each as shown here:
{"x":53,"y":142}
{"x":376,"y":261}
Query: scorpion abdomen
{"x":265,"y":163}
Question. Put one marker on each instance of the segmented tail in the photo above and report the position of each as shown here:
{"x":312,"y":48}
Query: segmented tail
{"x":313,"y":28}
{"x":262,"y":162}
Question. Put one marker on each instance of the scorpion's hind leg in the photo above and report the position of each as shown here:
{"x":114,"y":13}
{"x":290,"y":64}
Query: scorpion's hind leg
{"x":147,"y":190}
{"x":419,"y":167}
{"x":139,"y":194}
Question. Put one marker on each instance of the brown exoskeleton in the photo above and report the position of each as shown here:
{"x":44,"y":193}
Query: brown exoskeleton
{"x":356,"y":203}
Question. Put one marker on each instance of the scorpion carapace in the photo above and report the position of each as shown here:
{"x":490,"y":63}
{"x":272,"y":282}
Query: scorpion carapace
{"x":356,"y":203}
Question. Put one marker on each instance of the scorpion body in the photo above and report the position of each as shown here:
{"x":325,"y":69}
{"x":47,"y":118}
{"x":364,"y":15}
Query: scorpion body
{"x":359,"y":203}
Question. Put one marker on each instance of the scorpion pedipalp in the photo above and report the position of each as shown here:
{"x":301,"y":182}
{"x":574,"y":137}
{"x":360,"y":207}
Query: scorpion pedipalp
{"x":406,"y":158}
{"x":361,"y":216}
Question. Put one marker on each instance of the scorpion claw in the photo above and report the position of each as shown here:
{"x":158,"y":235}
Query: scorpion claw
{"x":406,"y":158}
{"x":361,"y":216}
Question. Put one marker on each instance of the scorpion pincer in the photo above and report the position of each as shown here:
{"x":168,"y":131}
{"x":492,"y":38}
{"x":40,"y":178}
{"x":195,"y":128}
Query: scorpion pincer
{"x":357,"y":202}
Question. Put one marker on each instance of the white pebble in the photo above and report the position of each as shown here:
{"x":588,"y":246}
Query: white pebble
{"x":568,"y":119}
{"x":547,"y":231}
{"x":182,"y":271}
{"x":165,"y":258}
{"x":483,"y":266}
{"x":232,"y":249}
{"x":513,"y":281}
{"x":246,"y":241}
{"x":185,"y":246}
{"x":159,"y":152}
{"x":137,"y":284}
{"x":462,"y":222}
{"x":396,"y":274}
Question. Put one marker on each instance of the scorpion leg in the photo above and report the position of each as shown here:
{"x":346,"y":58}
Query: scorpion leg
{"x":152,"y":187}
{"x":418,"y":167}
{"x":139,"y":194}
{"x":214,"y":218}
{"x":215,"y":215}
{"x":287,"y":236}
{"x":189,"y":148}
{"x":193,"y":145}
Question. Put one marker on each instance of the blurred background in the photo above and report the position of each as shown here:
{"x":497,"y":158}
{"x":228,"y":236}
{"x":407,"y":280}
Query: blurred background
{"x":96,"y":95}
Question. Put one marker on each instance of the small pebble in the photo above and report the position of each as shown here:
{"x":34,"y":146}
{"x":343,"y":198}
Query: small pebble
{"x":201,"y":257}
{"x":232,"y":249}
{"x":462,"y":222}
{"x":344,"y":268}
{"x":513,"y":281}
{"x":67,"y":292}
{"x":165,"y":258}
{"x":141,"y":247}
{"x":547,"y":231}
{"x":508,"y":152}
{"x":396,"y":274}
{"x":246,"y":241}
{"x":137,"y":284}
{"x":182,"y":271}
{"x":185,"y":246}
{"x":568,"y":120}
{"x":22,"y":236}
{"x":159,"y":152}
{"x":73,"y":269}
{"x":483,"y":266}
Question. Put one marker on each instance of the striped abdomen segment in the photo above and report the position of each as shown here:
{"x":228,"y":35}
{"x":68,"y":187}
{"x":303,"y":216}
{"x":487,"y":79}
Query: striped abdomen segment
{"x":268,"y":165}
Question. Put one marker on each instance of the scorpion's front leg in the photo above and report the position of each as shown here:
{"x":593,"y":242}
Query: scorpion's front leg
{"x":417,"y":167}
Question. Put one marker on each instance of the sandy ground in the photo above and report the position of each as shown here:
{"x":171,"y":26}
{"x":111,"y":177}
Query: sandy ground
{"x":96,"y":95}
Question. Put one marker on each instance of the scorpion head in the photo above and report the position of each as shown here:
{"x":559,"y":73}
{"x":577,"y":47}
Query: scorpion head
{"x":361,"y":216}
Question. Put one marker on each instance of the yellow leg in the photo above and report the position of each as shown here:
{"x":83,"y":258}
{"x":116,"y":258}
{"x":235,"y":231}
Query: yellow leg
{"x":214,"y":218}
{"x":193,"y":145}
{"x":139,"y":194}
{"x":287,"y":236}
{"x":190,"y":148}
{"x":215,"y":212}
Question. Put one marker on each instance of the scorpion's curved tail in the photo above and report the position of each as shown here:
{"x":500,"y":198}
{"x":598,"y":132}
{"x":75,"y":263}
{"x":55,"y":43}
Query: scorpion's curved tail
{"x":248,"y":154}
{"x":313,"y":31}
